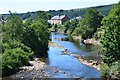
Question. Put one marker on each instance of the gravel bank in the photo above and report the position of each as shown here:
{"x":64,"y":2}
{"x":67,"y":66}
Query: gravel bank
{"x":91,"y":63}
{"x":37,"y":70}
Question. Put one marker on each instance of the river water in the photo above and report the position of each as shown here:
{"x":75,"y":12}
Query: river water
{"x":68,"y":63}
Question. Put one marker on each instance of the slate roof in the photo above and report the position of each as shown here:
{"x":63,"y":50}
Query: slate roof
{"x":58,"y":17}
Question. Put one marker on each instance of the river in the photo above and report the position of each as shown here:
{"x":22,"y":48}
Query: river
{"x":63,"y":66}
{"x":68,"y":63}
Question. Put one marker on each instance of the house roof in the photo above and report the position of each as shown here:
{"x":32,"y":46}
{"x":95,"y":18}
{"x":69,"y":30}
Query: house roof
{"x":58,"y":17}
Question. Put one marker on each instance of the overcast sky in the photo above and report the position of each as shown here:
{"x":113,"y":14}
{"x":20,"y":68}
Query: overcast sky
{"x":21,"y":6}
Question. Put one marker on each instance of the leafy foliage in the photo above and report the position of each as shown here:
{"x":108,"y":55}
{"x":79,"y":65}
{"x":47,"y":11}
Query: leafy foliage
{"x":36,"y":37}
{"x":13,"y":59}
{"x":12,"y":28}
{"x":104,"y":70}
{"x":55,"y":27}
{"x":89,"y":24}
{"x":99,"y":34}
{"x":22,"y":40}
{"x":42,"y":15}
{"x":70,"y":26}
{"x":111,"y":44}
{"x":110,"y":72}
{"x":111,"y":38}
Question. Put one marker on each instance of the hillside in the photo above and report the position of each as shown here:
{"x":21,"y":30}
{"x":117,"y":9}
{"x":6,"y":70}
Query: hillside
{"x":72,"y":13}
{"x":80,"y":12}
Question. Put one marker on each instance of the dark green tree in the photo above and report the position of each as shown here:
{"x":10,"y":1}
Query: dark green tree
{"x":89,"y":24}
{"x":12,"y":28}
{"x":73,"y":24}
{"x":36,"y":33}
{"x":55,"y":27}
{"x":67,"y":25}
{"x":111,"y":38}
{"x":42,"y":15}
{"x":70,"y":26}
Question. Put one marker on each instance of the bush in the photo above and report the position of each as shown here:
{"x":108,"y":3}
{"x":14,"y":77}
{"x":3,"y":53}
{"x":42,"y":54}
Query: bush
{"x":13,"y":59}
{"x":111,"y":71}
{"x":14,"y":55}
{"x":104,"y":70}
{"x":115,"y":70}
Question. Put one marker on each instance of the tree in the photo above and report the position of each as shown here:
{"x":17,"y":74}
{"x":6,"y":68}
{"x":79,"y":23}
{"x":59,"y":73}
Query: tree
{"x":111,"y":38}
{"x":42,"y":15}
{"x":70,"y":26}
{"x":12,"y":28}
{"x":89,"y":24}
{"x":36,"y":36}
{"x":73,"y":24}
{"x":67,"y":25}
{"x":55,"y":27}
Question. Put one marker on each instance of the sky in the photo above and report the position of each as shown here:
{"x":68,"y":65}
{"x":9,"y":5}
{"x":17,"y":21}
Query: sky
{"x":21,"y":6}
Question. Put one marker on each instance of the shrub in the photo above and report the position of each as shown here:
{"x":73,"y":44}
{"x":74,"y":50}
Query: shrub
{"x":14,"y":55}
{"x":111,"y":71}
{"x":104,"y":70}
{"x":13,"y":59}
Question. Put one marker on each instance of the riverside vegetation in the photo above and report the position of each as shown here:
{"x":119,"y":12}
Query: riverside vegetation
{"x":22,"y":40}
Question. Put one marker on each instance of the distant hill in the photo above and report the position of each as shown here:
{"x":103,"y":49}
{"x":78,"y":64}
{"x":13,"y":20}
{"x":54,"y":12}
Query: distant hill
{"x":23,"y":15}
{"x":80,"y":12}
{"x":72,"y":13}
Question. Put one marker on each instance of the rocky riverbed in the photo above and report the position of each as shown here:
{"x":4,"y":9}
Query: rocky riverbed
{"x":36,"y":70}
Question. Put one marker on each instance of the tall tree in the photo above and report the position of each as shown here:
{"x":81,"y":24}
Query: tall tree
{"x":111,"y":38}
{"x":70,"y":25}
{"x":89,"y":24}
{"x":13,"y":28}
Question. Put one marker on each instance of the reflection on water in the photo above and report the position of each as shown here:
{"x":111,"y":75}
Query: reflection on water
{"x":68,"y":63}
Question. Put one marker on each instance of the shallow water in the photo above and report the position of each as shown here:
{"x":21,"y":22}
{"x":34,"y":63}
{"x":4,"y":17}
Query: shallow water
{"x":68,"y":63}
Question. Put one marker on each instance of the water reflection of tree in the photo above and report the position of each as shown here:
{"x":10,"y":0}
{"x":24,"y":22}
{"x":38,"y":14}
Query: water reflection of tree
{"x":95,"y":53}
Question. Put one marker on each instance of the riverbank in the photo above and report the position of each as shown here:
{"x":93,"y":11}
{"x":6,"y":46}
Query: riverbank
{"x":91,"y":63}
{"x":35,"y":71}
